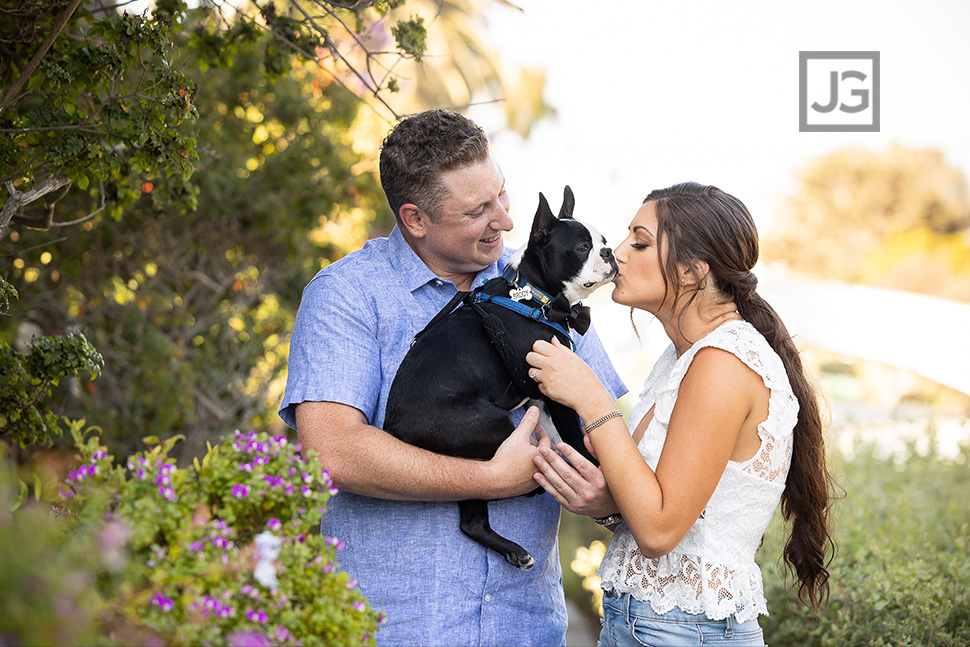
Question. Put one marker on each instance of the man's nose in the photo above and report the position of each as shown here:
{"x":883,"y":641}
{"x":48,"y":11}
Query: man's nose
{"x":503,"y":220}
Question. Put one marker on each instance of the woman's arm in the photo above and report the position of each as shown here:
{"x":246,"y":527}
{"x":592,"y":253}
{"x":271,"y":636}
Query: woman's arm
{"x":715,"y":398}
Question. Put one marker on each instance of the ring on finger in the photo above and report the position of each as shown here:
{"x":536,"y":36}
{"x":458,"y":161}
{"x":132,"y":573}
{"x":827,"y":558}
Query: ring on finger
{"x":533,"y":374}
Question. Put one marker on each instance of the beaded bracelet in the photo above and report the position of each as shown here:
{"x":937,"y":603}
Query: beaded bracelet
{"x":610,"y":520}
{"x":596,"y":423}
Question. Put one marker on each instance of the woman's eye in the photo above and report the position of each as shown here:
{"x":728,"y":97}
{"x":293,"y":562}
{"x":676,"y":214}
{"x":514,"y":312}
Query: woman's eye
{"x":638,"y":245}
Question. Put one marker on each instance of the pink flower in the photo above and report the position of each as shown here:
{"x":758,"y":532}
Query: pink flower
{"x":240,"y":490}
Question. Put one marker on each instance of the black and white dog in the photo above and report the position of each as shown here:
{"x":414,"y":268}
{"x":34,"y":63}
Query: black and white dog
{"x":466,"y":370}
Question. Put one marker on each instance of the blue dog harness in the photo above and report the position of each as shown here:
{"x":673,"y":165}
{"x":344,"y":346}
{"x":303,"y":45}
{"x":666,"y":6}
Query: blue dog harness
{"x":525,"y":291}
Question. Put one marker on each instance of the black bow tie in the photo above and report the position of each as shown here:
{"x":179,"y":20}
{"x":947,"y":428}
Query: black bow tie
{"x":577,"y":316}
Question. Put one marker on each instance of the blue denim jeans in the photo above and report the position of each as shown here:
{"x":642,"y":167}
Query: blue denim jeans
{"x":627,"y":622}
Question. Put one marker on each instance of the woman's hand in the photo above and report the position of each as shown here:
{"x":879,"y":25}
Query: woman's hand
{"x":511,"y":469}
{"x":563,"y":376}
{"x":580,"y":487}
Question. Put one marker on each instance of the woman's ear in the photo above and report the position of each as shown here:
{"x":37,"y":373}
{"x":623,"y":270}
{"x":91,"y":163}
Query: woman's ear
{"x":414,"y":220}
{"x":696,"y":274}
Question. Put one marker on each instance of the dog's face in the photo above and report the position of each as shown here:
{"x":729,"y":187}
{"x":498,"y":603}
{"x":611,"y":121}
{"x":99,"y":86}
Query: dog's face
{"x":563,"y":254}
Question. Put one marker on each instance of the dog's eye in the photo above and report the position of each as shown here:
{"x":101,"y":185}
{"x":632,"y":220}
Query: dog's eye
{"x":582,"y":249}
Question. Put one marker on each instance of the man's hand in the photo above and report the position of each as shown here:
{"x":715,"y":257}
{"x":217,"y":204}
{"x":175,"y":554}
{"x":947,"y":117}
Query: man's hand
{"x":512,"y":468}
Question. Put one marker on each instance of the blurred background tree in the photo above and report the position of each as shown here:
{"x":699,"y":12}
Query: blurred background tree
{"x":898,"y":219}
{"x":216,"y":159}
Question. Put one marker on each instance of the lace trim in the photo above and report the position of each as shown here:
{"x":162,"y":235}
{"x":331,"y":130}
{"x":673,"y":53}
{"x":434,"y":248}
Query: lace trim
{"x":686,"y":582}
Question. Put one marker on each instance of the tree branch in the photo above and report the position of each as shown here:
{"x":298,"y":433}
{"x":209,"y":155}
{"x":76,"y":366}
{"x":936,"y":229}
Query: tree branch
{"x":58,"y":27}
{"x":18,"y":199}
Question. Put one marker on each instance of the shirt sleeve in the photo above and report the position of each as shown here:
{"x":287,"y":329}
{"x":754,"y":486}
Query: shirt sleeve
{"x":334,"y":351}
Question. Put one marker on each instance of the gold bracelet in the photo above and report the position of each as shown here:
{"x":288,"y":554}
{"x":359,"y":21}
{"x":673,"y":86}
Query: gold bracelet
{"x":596,"y":423}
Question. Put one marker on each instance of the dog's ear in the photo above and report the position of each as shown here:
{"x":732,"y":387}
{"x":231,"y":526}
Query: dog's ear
{"x":568,"y":202}
{"x":544,"y":221}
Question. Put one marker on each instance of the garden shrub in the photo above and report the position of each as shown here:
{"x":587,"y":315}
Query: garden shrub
{"x":901,"y":575}
{"x":225,"y":551}
{"x":47,"y":586}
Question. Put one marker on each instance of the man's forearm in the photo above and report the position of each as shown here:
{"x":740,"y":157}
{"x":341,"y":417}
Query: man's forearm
{"x":368,"y":461}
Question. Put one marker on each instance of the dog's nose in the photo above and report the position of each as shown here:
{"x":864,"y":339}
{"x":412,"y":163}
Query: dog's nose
{"x":606,"y":253}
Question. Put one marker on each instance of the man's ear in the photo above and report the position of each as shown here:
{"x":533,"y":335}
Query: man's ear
{"x":414,"y":220}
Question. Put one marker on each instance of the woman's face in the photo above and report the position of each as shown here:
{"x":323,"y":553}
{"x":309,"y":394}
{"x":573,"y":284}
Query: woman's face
{"x":640,"y":283}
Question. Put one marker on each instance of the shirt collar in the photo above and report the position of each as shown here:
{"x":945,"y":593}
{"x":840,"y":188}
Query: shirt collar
{"x":416,"y":274}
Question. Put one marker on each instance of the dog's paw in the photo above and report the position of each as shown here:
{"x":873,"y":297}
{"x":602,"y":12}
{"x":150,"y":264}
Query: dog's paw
{"x":523,"y":561}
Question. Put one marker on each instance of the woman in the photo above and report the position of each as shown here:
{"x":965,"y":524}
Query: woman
{"x":726,"y":427}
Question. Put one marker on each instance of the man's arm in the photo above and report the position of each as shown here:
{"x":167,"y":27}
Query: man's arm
{"x":369,"y":461}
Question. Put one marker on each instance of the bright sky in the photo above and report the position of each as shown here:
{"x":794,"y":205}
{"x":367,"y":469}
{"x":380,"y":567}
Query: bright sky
{"x":652,"y":93}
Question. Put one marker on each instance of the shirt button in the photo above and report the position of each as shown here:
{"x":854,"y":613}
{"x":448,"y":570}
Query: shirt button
{"x":488,"y":598}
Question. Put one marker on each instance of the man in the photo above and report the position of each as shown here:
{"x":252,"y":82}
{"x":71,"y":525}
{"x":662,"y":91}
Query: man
{"x":395,"y":511}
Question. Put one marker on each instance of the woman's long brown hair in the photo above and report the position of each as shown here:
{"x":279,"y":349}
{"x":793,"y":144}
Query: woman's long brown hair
{"x":698,"y":222}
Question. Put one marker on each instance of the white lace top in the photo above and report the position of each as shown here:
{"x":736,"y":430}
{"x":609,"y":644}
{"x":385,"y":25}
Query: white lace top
{"x":712,"y":570}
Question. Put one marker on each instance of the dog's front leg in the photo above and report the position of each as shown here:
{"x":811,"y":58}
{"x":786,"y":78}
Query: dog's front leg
{"x":547,"y":424}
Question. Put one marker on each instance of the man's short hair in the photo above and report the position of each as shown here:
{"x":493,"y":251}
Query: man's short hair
{"x":419,"y":149}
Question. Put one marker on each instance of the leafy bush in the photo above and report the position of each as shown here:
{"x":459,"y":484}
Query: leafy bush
{"x":222,"y":552}
{"x":901,"y":573}
{"x":26,"y":380}
{"x":47,"y":587}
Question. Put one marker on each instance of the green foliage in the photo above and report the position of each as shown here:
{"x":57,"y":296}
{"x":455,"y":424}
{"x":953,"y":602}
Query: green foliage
{"x":106,"y":109}
{"x":26,"y":380}
{"x":224,"y":551}
{"x":411,"y":37}
{"x":901,"y":572}
{"x":47,"y":583}
{"x":191,"y":310}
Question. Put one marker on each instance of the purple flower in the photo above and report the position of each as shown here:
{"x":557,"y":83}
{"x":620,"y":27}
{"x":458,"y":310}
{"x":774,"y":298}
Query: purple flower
{"x":163,"y":603}
{"x":351,"y":583}
{"x":381,"y":618}
{"x":257,"y":616}
{"x":248,"y":638}
{"x":246,"y":467}
{"x":358,"y":605}
{"x":274,"y":524}
{"x":196,"y":546}
{"x":240,"y":490}
{"x":166,"y":492}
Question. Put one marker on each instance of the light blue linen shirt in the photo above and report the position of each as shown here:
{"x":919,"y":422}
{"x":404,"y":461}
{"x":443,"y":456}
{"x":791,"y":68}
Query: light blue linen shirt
{"x":435,"y":586}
